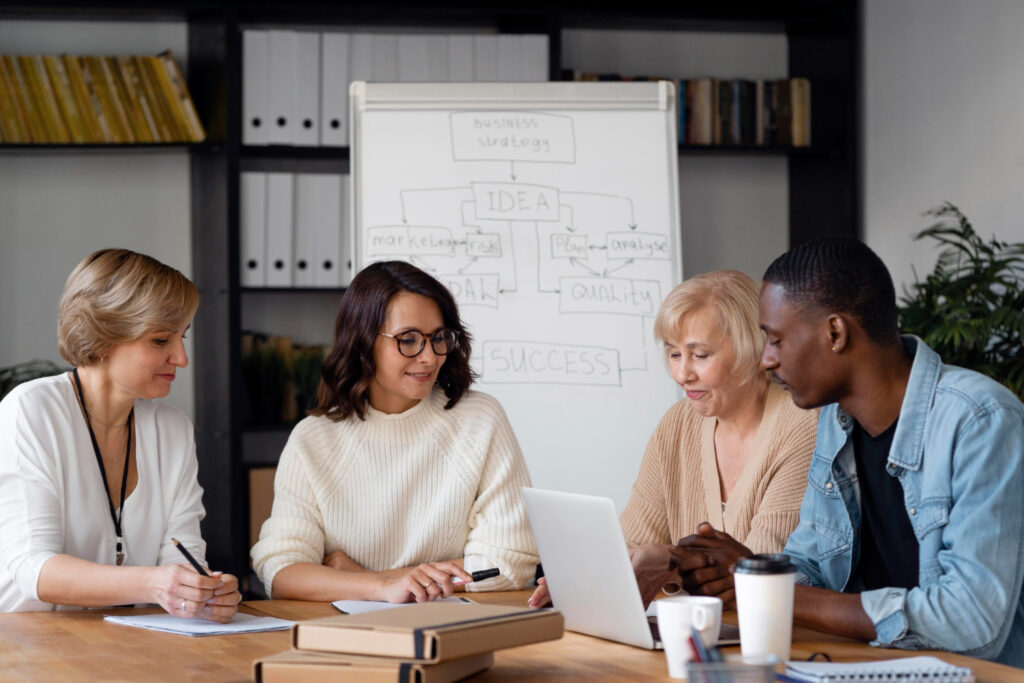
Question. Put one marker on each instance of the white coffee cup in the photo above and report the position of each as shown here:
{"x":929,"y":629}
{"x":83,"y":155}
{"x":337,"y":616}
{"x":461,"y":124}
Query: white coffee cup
{"x":764,"y":601}
{"x":676,"y":616}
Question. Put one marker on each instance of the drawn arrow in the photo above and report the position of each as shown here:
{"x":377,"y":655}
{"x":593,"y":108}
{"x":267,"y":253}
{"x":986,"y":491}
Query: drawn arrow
{"x":597,"y":246}
{"x":609,"y":271}
{"x":462,"y":270}
{"x":573,"y":261}
{"x":512,"y":169}
{"x":571,"y":227}
{"x":632,"y":213}
{"x":467,"y":222}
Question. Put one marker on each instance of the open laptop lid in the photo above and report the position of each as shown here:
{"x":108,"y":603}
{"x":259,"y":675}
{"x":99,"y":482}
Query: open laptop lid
{"x":587,"y":565}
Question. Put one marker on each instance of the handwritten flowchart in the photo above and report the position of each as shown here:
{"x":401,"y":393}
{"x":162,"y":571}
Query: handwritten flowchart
{"x":593,"y":250}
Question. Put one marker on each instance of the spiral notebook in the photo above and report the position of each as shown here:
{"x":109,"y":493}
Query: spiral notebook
{"x":908,"y":670}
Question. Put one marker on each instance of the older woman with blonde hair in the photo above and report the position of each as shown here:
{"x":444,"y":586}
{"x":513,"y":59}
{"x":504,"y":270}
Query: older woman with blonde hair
{"x":95,"y":477}
{"x":734,"y":453}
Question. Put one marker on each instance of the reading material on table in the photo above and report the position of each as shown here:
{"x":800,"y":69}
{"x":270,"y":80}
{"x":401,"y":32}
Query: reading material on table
{"x":240,"y":623}
{"x":361,"y":606}
{"x":907,"y":670}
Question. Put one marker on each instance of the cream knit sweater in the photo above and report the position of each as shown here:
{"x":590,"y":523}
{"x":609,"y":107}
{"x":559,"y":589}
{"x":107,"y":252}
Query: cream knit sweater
{"x":398,"y":490}
{"x":679,"y":487}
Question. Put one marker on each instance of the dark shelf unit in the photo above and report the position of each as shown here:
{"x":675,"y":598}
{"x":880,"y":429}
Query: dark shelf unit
{"x":824,"y":180}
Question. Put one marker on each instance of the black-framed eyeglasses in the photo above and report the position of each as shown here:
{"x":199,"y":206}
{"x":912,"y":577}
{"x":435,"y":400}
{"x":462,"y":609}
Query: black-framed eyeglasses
{"x":412,"y":342}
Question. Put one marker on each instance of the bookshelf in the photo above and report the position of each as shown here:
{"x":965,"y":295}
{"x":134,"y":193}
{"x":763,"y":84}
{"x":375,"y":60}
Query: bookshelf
{"x":803,"y":191}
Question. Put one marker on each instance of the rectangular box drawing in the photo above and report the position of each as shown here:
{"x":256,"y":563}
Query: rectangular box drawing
{"x":567,"y":245}
{"x":409,"y":240}
{"x":637,"y":245}
{"x":515,"y":202}
{"x":608,"y":295}
{"x":512,"y":136}
{"x":483,"y":245}
{"x":470,"y":289}
{"x":526,"y":362}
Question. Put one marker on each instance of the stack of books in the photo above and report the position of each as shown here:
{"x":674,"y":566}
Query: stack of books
{"x":69,"y":99}
{"x":734,"y":112}
{"x":773,"y":113}
{"x":431,"y":642}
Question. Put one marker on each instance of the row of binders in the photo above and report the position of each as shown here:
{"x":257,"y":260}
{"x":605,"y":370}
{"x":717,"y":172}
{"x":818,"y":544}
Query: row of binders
{"x":774,"y":113}
{"x":49,"y":99}
{"x":295,"y":83}
{"x":294,"y":230}
{"x":430,"y":642}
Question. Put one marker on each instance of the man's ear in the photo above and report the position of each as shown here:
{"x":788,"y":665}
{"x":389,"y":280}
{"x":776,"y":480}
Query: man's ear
{"x":838,"y":330}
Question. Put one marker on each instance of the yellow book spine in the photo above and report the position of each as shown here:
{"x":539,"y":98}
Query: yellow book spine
{"x":160,"y":115}
{"x":87,"y":108}
{"x":98,"y":84}
{"x":46,"y":101}
{"x":171,"y":104}
{"x":177,"y":78}
{"x":66,"y":102}
{"x":126,"y":94}
{"x":10,"y":115}
{"x":120,"y":110}
{"x":130,"y":76}
{"x":24,"y":99}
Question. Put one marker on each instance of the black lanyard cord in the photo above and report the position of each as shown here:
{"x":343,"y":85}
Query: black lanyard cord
{"x":114,"y":516}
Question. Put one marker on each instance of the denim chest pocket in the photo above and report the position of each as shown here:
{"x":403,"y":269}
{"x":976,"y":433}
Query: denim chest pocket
{"x":819,"y":476}
{"x":831,"y":523}
{"x":928,"y":516}
{"x":928,"y":521}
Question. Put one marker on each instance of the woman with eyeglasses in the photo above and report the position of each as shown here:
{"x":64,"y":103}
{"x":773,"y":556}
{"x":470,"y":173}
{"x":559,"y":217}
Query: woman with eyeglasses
{"x":402,"y":480}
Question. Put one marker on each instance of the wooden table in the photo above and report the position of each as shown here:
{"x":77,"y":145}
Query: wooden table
{"x":80,"y":646}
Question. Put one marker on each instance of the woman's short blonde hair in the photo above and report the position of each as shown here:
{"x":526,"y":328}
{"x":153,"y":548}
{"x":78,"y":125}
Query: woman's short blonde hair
{"x":732,"y":295}
{"x":116,"y":296}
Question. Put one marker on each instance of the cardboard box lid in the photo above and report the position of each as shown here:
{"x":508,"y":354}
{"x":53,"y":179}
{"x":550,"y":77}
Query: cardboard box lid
{"x":294,"y":666}
{"x":429,"y":631}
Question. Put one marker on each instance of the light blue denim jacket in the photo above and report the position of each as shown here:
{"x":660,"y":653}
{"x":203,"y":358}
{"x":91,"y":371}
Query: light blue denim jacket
{"x":957,"y":452}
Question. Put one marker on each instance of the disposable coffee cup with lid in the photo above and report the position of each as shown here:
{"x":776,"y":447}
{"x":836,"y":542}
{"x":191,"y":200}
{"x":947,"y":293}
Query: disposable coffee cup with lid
{"x":764,"y":600}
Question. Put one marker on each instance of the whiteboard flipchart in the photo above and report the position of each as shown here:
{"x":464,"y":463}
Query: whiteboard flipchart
{"x":550,"y":210}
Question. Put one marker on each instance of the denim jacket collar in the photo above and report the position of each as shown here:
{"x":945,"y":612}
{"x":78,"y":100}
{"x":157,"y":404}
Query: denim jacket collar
{"x":907,"y":449}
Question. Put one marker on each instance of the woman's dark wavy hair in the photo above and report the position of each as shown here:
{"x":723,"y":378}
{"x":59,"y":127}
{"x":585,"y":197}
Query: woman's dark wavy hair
{"x":349,"y":369}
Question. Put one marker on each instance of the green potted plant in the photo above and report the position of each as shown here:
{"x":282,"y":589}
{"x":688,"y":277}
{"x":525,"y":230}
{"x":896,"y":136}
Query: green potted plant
{"x":970,"y":308}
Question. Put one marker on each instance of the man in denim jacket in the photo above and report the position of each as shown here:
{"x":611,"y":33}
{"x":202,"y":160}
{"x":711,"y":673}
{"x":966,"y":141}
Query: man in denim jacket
{"x":911,"y":530}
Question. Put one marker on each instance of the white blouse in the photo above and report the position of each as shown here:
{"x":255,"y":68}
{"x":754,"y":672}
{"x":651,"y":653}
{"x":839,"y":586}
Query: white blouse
{"x":52,"y":498}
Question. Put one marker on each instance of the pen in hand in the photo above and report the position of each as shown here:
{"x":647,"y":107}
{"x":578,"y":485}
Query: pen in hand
{"x":479,"y":575}
{"x":188,"y":556}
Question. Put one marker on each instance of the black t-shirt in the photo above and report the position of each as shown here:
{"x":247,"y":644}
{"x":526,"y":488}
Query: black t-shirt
{"x":888,"y":546}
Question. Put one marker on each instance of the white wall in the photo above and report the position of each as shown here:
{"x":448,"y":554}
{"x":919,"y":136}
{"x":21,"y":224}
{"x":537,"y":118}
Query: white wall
{"x":58,"y":207}
{"x":943,"y":120}
{"x":734,"y":208}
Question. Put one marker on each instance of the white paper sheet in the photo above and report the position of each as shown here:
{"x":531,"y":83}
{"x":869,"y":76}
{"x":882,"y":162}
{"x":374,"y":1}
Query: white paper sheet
{"x":360,"y":606}
{"x":240,"y":623}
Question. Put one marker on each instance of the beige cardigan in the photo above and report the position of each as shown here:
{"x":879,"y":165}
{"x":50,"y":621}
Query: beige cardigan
{"x":678,"y":486}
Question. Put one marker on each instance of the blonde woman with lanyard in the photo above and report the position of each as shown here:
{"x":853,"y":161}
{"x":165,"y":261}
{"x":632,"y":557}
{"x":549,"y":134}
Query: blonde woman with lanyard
{"x":95,"y":477}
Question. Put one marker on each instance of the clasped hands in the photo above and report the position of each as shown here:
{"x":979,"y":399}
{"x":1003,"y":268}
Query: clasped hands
{"x":184,"y":592}
{"x":701,"y":563}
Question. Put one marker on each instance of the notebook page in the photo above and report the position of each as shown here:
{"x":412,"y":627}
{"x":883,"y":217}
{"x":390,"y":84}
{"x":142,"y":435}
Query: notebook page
{"x":240,"y":623}
{"x":905,"y":669}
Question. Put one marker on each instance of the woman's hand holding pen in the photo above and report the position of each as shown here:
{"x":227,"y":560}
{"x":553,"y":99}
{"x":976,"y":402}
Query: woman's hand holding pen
{"x":184,"y":592}
{"x":423,"y":583}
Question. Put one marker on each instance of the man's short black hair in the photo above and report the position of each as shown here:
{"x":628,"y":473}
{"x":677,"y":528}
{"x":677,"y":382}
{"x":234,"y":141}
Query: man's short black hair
{"x":840,"y":275}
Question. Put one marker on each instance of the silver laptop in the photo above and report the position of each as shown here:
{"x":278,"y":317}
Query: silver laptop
{"x":588,"y":570}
